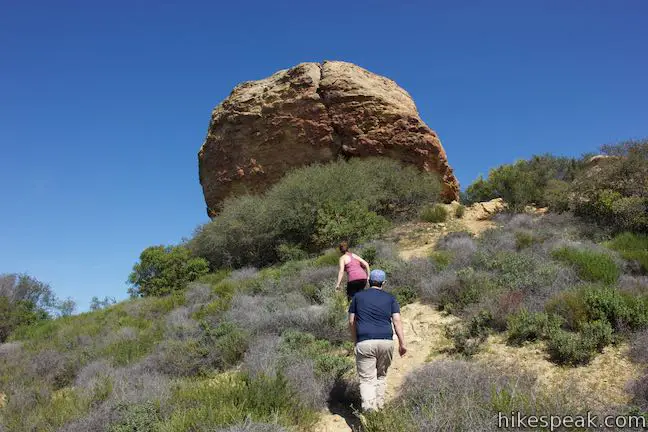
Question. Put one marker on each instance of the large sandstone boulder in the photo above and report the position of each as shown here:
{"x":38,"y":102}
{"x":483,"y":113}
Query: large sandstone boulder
{"x":313,"y":113}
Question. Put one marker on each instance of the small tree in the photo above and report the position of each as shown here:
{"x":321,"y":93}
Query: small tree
{"x":25,"y":300}
{"x":352,"y":221}
{"x":96,"y":304}
{"x":66,"y":307}
{"x":163,"y":270}
{"x":615,"y":192}
{"x":523,"y":182}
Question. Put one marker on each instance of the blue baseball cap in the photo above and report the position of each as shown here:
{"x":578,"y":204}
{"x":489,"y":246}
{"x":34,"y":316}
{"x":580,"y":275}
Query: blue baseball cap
{"x":378,"y":276}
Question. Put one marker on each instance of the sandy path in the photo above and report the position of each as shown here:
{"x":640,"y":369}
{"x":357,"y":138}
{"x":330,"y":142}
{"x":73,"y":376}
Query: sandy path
{"x":423,"y":326}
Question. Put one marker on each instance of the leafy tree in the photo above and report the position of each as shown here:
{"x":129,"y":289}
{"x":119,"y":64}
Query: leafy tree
{"x":524,"y":182}
{"x":16,"y":314}
{"x":19,"y":287}
{"x":615,"y":191}
{"x":163,"y":270}
{"x":312,"y":207}
{"x":97,"y":304}
{"x":66,"y":307}
{"x":351,"y":221}
{"x":25,"y":300}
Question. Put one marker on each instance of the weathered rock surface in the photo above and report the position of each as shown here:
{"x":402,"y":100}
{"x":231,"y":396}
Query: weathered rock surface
{"x":313,"y":113}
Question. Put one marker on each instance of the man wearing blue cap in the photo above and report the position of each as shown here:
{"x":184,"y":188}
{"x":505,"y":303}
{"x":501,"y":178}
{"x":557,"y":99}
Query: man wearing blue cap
{"x":371,"y":314}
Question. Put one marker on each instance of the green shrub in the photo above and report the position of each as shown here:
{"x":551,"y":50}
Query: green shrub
{"x":597,"y":333}
{"x":590,"y":265}
{"x":570,"y":306}
{"x":524,"y":239}
{"x":214,"y":278}
{"x":441,"y":258}
{"x":460,"y":210}
{"x":231,"y":398}
{"x":16,"y":314}
{"x":622,"y":310}
{"x":181,"y":358}
{"x":523,"y":182}
{"x":164,"y":270}
{"x":128,"y":350}
{"x":463,"y":341}
{"x":309,"y":208}
{"x":231,"y":342}
{"x":329,"y":360}
{"x":556,"y":195}
{"x":468,"y":339}
{"x":435,"y":214}
{"x":514,"y":270}
{"x":369,"y":254}
{"x":24,"y":300}
{"x":570,"y":348}
{"x":226,"y":288}
{"x":331,"y":257}
{"x":142,"y":417}
{"x":469,"y":288}
{"x":290,"y":252}
{"x":615,"y":192}
{"x":524,"y":326}
{"x":405,"y":295}
{"x":633,"y":247}
{"x":352,"y":221}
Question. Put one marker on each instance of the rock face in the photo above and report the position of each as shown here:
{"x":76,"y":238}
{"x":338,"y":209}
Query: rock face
{"x":313,"y":113}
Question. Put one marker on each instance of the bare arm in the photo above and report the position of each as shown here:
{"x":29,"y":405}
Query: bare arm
{"x":352,"y":328}
{"x":340,"y":273}
{"x":398,"y":327}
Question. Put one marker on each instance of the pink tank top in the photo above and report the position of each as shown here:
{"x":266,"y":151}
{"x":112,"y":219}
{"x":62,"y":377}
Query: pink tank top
{"x":354,"y":269}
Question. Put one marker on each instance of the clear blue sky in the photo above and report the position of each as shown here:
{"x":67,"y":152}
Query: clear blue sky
{"x":104,"y":105}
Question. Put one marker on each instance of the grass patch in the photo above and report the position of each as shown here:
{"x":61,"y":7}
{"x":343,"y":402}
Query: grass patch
{"x":632,"y":247}
{"x":405,"y":295}
{"x":435,"y":214}
{"x":460,"y":210}
{"x":590,"y":265}
{"x":441,"y":258}
{"x":231,"y":398}
{"x":328,"y":360}
{"x":331,"y":257}
{"x":524,"y":239}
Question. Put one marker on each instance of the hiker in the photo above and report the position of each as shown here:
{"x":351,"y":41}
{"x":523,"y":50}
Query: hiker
{"x":371,"y":315}
{"x":356,"y":269}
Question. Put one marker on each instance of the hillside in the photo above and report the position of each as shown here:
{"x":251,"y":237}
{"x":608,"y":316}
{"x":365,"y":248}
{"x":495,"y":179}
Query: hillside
{"x":602,"y":384}
{"x":506,"y":308}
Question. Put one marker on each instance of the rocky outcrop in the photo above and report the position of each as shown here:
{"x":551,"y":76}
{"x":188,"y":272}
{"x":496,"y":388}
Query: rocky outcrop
{"x":313,"y":113}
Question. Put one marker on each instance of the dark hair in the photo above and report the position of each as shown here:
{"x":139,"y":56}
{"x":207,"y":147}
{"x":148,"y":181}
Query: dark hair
{"x":344,"y":247}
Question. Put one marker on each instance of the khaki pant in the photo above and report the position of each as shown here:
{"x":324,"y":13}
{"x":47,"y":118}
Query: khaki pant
{"x":373,"y":358}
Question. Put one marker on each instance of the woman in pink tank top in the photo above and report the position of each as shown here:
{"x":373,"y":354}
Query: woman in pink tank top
{"x":356,"y":269}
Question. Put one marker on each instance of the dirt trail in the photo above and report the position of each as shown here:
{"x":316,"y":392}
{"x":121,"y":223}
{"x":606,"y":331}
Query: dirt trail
{"x":418,"y":239}
{"x":423,"y":326}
